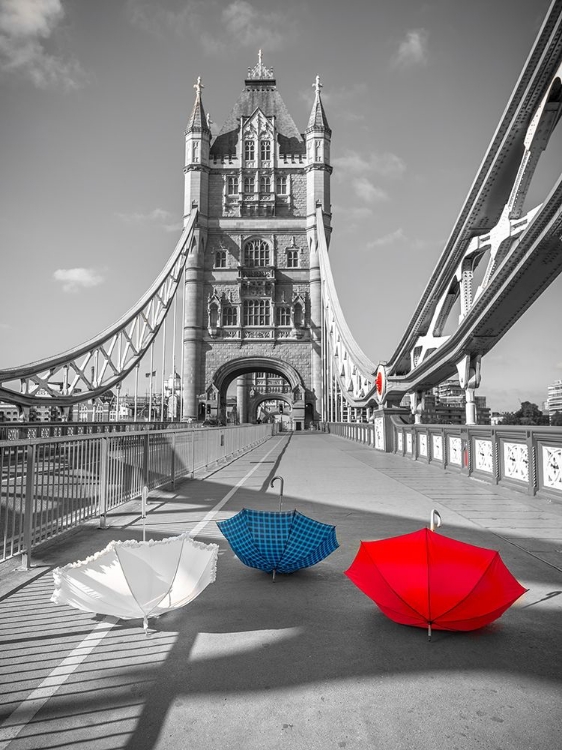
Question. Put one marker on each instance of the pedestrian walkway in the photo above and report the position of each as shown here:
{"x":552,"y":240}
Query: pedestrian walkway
{"x":308,"y":661}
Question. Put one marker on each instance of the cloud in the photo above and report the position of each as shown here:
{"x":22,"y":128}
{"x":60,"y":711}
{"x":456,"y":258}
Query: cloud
{"x":250,"y":26}
{"x":412,"y":50}
{"x":400,"y":236}
{"x":5,"y":326}
{"x":158,"y":216}
{"x":386,"y":164}
{"x":388,"y":239}
{"x":157,"y":19}
{"x":74,"y":279}
{"x":356,"y":168}
{"x":366,"y":191}
{"x":240,"y":23}
{"x":25,"y":25}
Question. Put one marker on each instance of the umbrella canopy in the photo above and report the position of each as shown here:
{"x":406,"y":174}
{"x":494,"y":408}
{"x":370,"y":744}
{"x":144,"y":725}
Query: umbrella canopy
{"x":280,"y":542}
{"x":430,"y":581}
{"x":138,"y":579}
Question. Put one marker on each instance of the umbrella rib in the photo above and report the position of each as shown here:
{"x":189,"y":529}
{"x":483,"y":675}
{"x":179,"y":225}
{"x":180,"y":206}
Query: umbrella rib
{"x":149,"y":613}
{"x":393,"y":589}
{"x":468,"y":593}
{"x":129,"y":585}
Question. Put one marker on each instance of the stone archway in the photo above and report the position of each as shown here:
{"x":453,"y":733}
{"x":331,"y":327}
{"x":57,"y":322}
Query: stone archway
{"x":234,"y":368}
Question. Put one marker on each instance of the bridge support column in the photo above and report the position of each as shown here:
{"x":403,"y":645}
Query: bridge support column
{"x":416,"y":405}
{"x":469,"y":379}
{"x":242,"y":399}
{"x":470,"y":407}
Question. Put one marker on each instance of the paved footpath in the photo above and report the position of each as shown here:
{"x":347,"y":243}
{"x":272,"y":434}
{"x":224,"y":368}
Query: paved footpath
{"x":307,"y":662}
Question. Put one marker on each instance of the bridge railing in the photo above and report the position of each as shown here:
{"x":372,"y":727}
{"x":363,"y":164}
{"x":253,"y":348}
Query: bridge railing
{"x":50,"y":485}
{"x":42,"y":430}
{"x":524,"y":458}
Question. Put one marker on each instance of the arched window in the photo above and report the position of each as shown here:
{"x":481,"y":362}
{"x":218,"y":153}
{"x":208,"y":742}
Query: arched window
{"x":220,"y":259}
{"x":229,"y":316}
{"x":256,"y":253}
{"x":265,"y":183}
{"x":284,"y":316}
{"x":265,"y":150}
{"x":292,"y":258}
{"x":249,"y":184}
{"x":249,"y":150}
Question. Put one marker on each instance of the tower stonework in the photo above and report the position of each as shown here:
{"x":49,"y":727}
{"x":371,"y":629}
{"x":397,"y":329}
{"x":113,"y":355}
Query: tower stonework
{"x":252,"y":280}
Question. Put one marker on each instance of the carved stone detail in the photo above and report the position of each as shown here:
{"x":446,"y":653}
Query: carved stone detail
{"x":516,"y":461}
{"x":484,"y":457}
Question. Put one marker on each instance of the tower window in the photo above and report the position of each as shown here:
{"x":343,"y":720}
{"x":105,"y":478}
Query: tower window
{"x":249,"y":185}
{"x":231,"y":184}
{"x":220,"y":259}
{"x":229,"y":316}
{"x":256,"y":253}
{"x":284,"y":316}
{"x":292,"y":258}
{"x":265,"y":150}
{"x":282,"y":185}
{"x":249,"y":150}
{"x":265,"y":184}
{"x":256,"y":312}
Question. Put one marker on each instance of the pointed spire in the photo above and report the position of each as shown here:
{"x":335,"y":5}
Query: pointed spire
{"x":318,"y":119}
{"x":198,"y":120}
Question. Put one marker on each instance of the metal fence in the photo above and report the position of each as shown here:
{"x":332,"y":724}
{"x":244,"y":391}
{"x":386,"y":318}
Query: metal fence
{"x":524,"y":458}
{"x":50,"y":485}
{"x":34,"y":430}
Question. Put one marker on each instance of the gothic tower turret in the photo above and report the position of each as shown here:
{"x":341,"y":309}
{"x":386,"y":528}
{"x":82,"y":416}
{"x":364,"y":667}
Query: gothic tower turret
{"x":196,"y":170}
{"x":318,"y":137}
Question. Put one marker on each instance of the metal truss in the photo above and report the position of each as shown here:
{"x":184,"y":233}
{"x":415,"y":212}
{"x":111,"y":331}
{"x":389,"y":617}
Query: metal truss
{"x":522,"y":253}
{"x":491,"y":229}
{"x":92,"y":368}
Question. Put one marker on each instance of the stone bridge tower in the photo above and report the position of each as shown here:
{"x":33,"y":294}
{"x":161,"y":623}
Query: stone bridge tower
{"x":252,"y":284}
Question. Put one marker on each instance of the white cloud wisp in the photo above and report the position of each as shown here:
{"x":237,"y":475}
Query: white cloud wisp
{"x":413,"y":50}
{"x":74,"y":279}
{"x":24,"y":27}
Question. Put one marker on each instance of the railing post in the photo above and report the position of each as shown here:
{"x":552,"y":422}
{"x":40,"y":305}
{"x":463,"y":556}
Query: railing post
{"x":103,"y":484}
{"x":28,"y":509}
{"x":173,"y":462}
{"x":145,"y":460}
{"x":193,"y":453}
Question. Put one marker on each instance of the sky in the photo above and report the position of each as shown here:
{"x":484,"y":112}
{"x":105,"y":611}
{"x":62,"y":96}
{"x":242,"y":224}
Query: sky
{"x":94,"y":100}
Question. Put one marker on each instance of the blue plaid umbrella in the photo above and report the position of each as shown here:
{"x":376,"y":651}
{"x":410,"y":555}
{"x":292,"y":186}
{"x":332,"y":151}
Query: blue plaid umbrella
{"x":280,"y":542}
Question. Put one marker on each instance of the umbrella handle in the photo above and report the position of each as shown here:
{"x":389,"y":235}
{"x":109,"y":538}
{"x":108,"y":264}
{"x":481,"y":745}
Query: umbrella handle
{"x":280,"y":489}
{"x":434,"y":520}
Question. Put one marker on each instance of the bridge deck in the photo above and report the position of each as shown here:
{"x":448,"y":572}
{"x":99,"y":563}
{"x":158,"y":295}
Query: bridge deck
{"x":305,"y":662}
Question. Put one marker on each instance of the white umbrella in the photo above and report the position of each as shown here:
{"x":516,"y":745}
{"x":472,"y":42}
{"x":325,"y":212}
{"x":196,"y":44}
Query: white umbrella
{"x":138,"y":579}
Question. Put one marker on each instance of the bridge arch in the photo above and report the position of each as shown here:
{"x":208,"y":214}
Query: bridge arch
{"x":234,"y":368}
{"x":226,"y":373}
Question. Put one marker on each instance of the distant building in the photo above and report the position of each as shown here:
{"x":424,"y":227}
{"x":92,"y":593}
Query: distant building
{"x":554,"y":400}
{"x":446,"y":404}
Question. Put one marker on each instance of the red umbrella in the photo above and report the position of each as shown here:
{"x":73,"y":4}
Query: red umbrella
{"x":430,"y":581}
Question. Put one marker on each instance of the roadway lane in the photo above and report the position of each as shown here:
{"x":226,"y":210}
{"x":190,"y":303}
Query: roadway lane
{"x":308,"y":661}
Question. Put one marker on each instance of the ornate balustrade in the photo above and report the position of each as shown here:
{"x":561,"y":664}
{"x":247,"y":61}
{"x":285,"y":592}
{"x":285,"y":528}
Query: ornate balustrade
{"x":527,"y":459}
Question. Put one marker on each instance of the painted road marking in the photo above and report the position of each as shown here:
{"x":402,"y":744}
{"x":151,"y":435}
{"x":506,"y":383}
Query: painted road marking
{"x":24,"y":713}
